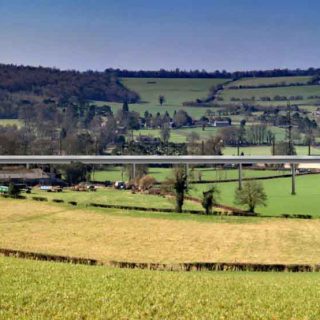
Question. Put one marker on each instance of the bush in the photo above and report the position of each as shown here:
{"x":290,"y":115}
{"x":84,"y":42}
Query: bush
{"x":13,"y":191}
{"x":58,"y":200}
{"x":73,"y":203}
{"x":39,"y":198}
{"x":146,"y":182}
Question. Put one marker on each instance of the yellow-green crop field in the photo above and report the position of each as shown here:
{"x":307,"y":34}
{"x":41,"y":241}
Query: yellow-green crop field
{"x":120,"y":235}
{"x":44,"y":290}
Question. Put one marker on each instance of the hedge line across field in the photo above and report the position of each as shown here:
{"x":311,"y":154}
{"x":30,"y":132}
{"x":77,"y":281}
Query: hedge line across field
{"x":219,"y":266}
{"x":187,"y":266}
{"x":46,"y":257}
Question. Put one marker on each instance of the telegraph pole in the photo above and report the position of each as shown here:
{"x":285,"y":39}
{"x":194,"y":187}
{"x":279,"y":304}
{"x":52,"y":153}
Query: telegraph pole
{"x":240,"y":167}
{"x":290,"y":147}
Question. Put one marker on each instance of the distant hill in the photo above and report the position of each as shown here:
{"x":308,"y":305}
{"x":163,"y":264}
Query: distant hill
{"x":54,"y":83}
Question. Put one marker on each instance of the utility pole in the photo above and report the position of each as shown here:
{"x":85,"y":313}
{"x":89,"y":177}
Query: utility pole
{"x":240,"y":167}
{"x":293,"y":184}
{"x":290,"y":142}
{"x":290,"y":151}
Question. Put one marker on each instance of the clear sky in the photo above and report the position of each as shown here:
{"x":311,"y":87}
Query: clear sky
{"x":154,"y":34}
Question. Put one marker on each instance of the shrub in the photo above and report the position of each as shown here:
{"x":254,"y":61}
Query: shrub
{"x":146,"y":182}
{"x":58,"y":200}
{"x":39,"y":198}
{"x":210,"y":199}
{"x":13,"y":190}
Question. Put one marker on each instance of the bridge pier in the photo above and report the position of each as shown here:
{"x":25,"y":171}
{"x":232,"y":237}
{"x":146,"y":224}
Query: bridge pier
{"x":134,"y":171}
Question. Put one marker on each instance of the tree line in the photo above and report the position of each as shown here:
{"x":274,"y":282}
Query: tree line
{"x":60,"y":85}
{"x":177,"y":73}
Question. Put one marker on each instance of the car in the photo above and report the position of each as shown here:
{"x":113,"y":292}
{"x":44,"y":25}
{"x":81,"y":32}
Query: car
{"x":108,"y":183}
{"x":121,"y":185}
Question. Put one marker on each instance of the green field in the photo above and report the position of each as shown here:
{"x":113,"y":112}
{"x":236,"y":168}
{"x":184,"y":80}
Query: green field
{"x":160,"y":174}
{"x":176,"y":91}
{"x":11,"y":122}
{"x":180,"y":135}
{"x":305,"y":91}
{"x":44,"y":290}
{"x":266,"y":150}
{"x":280,"y":200}
{"x":270,"y":81}
{"x":114,"y":197}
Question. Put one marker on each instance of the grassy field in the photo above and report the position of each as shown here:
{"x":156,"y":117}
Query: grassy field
{"x":110,"y":234}
{"x":180,"y":135}
{"x":305,"y":91}
{"x":176,"y":91}
{"x":280,"y":200}
{"x":270,"y":81}
{"x":266,"y":150}
{"x":160,"y":174}
{"x":10,"y":122}
{"x":44,"y":290}
{"x":114,"y":197}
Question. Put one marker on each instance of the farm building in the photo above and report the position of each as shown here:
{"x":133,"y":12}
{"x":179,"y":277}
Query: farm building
{"x":19,"y":173}
{"x":28,"y":176}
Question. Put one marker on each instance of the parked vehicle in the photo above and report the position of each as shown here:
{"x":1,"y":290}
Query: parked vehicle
{"x":4,"y":189}
{"x":51,"y":188}
{"x":120,"y":185}
{"x":108,"y":183}
{"x":84,"y":187}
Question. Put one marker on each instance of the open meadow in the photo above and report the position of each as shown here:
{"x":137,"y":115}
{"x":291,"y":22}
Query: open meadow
{"x":267,"y":81}
{"x":175,"y":91}
{"x":305,"y":91}
{"x":181,"y":135}
{"x":44,"y":290}
{"x":115,"y":197}
{"x":11,"y":122}
{"x":160,"y":174}
{"x":280,"y":201}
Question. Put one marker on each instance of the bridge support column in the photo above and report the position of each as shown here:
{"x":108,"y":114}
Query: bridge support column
{"x":293,"y":179}
{"x":187,"y":173}
{"x":240,"y":176}
{"x":133,"y":171}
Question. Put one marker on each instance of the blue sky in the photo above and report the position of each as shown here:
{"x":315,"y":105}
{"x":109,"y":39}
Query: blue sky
{"x":153,"y":34}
